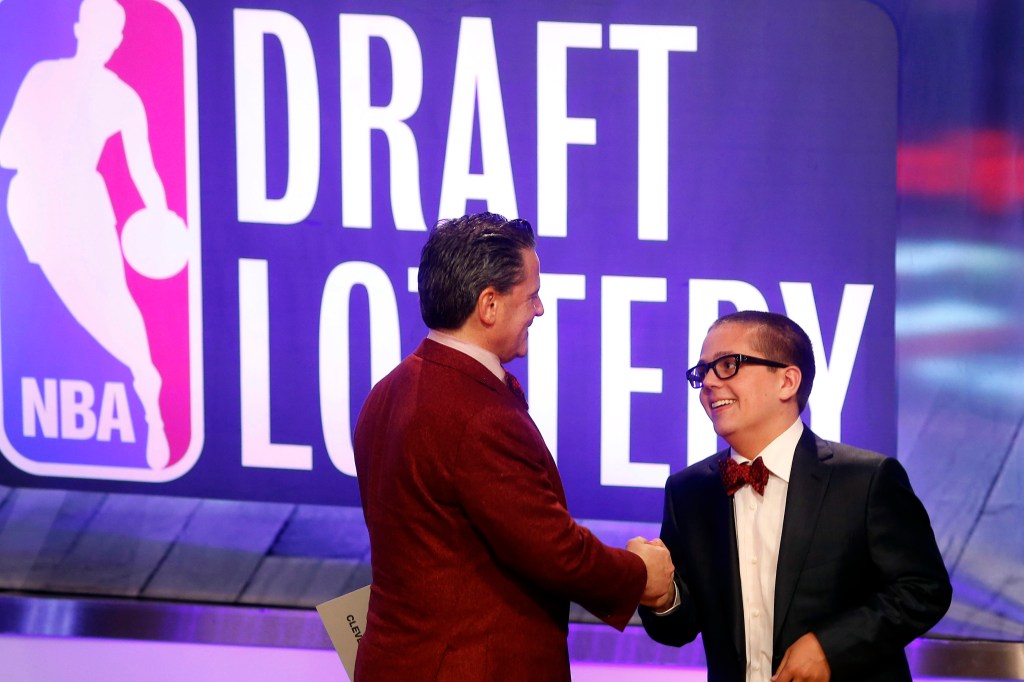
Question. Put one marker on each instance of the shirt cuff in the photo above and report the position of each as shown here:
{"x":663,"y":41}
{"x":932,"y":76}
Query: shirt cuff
{"x":675,"y":603}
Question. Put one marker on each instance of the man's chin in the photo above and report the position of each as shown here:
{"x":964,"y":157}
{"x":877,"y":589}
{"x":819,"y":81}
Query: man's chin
{"x":722,"y":430}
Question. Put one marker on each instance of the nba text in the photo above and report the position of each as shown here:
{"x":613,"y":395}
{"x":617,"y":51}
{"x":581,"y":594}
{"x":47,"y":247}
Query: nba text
{"x":66,"y":408}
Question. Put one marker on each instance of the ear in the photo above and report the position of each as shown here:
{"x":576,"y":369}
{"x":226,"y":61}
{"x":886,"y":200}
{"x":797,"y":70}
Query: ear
{"x":792,"y":377}
{"x":487,"y":307}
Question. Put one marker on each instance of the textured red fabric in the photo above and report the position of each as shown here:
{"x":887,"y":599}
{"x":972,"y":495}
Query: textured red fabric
{"x":736,"y":475}
{"x":475,"y":557}
{"x":516,"y":388}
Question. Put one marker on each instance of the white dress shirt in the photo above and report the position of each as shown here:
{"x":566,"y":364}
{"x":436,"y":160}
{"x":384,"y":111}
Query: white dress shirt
{"x":758,"y":533}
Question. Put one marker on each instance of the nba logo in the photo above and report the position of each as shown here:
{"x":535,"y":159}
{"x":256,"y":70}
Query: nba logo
{"x":100,"y":287}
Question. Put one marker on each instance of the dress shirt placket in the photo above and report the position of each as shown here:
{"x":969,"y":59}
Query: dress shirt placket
{"x":757,"y":578}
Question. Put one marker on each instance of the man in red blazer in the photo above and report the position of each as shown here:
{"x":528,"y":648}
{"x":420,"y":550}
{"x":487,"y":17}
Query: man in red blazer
{"x":474,"y":555}
{"x":796,"y":559}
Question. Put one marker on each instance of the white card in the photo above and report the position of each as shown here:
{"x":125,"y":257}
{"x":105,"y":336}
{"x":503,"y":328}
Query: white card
{"x":344,"y":618}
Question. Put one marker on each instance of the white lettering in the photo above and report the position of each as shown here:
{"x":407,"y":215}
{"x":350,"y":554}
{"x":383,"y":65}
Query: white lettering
{"x":39,"y":406}
{"x":653,"y":44}
{"x":619,"y":380}
{"x":114,"y":413}
{"x":556,"y":130}
{"x":303,"y":100}
{"x":335,"y":381}
{"x":542,"y":360}
{"x":359,"y":119}
{"x":254,"y":365}
{"x":77,"y":420}
{"x":832,"y":375}
{"x":476,"y":81}
{"x":74,"y":408}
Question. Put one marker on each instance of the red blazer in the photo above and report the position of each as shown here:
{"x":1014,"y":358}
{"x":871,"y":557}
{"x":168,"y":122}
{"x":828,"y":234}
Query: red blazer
{"x":474,"y":555}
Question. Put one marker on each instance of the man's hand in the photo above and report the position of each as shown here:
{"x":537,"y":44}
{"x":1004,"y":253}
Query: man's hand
{"x":804,"y":662}
{"x":660,"y":590}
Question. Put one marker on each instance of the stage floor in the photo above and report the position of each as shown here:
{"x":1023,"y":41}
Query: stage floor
{"x":55,"y":639}
{"x":65,"y":659}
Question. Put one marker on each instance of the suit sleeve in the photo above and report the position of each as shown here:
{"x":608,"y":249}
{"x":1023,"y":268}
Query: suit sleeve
{"x":681,"y":626}
{"x":913,"y":586}
{"x":513,"y":498}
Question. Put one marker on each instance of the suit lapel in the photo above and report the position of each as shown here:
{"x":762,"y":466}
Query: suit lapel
{"x":808,"y":482}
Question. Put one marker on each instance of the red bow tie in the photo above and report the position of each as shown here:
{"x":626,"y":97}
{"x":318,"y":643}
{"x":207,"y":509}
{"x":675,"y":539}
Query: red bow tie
{"x":517,"y":390}
{"x":735,"y":475}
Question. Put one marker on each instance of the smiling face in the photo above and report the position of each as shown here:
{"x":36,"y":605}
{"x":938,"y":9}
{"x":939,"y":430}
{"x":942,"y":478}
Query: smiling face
{"x":753,"y":407}
{"x":515,"y":310}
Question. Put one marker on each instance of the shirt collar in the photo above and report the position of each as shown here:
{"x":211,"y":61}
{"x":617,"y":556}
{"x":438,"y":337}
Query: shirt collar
{"x":778,"y":455}
{"x":478,"y":353}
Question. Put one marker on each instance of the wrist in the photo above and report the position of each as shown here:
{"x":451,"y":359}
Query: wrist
{"x":668,"y":600}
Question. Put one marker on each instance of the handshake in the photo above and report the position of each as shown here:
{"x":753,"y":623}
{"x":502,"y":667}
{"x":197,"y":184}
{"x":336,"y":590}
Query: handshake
{"x":660,"y":592}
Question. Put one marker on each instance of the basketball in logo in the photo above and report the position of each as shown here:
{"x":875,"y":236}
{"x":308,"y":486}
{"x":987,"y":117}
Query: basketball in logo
{"x":156,"y":243}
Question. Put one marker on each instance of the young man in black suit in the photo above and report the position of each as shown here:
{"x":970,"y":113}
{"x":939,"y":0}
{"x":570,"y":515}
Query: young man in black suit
{"x":796,"y":558}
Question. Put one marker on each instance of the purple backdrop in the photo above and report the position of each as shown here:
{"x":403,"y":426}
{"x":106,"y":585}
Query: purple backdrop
{"x":677,"y":159}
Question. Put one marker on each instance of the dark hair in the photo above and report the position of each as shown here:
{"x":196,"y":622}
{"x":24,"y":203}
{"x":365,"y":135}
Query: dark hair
{"x":781,"y":339}
{"x":464,"y":256}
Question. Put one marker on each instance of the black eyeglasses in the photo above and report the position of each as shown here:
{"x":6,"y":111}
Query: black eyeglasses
{"x":725,"y":367}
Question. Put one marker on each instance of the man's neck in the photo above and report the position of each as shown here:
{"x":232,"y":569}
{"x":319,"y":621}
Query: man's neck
{"x":750,"y":444}
{"x":463,"y":344}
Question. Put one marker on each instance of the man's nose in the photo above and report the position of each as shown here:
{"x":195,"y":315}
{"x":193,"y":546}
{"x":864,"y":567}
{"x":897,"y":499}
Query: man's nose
{"x":538,"y":307}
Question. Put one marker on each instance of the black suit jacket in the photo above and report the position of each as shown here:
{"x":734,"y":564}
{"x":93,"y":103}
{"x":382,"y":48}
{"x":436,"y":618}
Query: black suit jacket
{"x":858,"y":565}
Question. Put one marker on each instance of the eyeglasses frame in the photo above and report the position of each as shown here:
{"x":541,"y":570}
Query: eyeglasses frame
{"x":740,"y":358}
